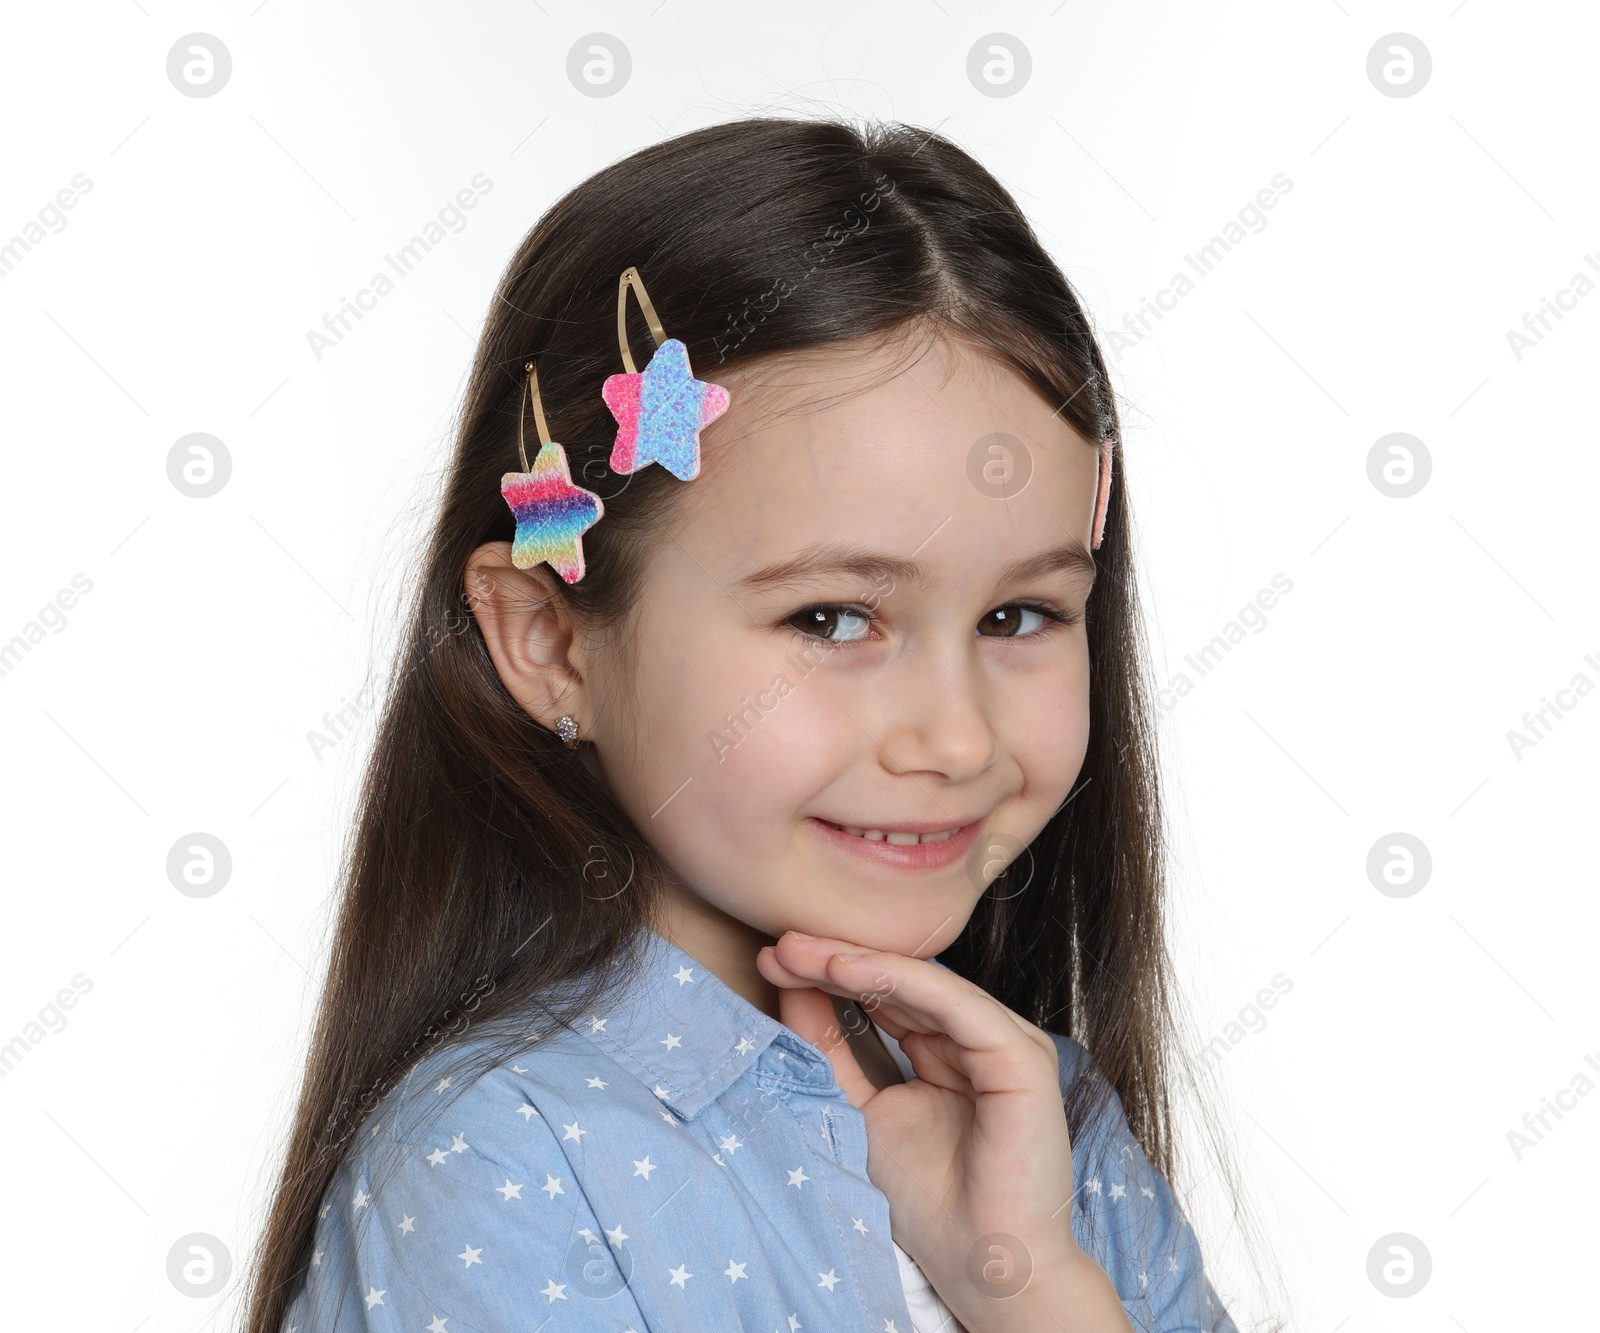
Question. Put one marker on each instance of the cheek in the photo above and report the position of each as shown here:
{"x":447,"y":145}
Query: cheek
{"x":766,"y":748}
{"x":1045,"y":727}
{"x":731,"y":740}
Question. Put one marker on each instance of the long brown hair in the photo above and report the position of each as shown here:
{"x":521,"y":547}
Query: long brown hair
{"x":488,"y":861}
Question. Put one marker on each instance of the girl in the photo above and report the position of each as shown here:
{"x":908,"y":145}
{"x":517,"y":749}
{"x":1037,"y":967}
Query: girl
{"x":766,"y":1000}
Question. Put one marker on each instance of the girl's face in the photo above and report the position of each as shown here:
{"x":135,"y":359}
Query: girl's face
{"x":856,"y":623}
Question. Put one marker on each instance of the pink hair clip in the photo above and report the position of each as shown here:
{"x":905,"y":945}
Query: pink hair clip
{"x":1103,"y":494}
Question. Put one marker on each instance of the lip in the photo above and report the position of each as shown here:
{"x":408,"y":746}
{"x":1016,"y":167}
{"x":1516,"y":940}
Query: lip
{"x":916,"y":856}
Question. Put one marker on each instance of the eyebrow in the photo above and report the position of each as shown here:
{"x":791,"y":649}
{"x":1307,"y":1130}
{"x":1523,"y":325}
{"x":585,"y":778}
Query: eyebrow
{"x":827,"y":559}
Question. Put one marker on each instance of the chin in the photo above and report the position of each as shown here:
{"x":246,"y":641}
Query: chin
{"x":921,"y":934}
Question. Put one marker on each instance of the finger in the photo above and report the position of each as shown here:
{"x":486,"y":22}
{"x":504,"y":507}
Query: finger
{"x":772,"y":968}
{"x":936,"y":1056}
{"x":809,"y":1012}
{"x":992,"y":1049}
{"x":814,"y":975}
{"x":808,"y":957}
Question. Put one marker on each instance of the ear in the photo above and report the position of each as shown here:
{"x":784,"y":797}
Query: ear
{"x":530,"y":632}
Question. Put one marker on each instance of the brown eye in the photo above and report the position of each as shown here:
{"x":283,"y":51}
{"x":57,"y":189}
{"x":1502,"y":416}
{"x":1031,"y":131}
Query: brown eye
{"x":1007,"y":622}
{"x":836,"y":624}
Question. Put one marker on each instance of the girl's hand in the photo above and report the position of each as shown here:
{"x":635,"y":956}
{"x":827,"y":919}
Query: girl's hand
{"x":973,"y":1153}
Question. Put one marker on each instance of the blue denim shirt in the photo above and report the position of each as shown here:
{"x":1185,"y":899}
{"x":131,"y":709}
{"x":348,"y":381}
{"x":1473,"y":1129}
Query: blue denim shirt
{"x":680,"y":1161}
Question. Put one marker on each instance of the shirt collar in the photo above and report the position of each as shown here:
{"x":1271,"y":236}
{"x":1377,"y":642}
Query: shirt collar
{"x":688,"y":1035}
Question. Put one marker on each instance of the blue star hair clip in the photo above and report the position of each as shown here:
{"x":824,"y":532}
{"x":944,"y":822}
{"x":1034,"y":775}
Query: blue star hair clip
{"x":660,"y":412}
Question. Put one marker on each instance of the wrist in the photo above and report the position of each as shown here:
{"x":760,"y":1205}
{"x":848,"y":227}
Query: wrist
{"x":1069,"y":1292}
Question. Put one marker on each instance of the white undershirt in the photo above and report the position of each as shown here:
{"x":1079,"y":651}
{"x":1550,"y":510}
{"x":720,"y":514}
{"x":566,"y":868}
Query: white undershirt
{"x":929,"y":1314}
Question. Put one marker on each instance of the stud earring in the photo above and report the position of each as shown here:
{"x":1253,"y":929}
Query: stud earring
{"x":567,"y":729}
{"x":661,"y":411}
{"x":552,"y":514}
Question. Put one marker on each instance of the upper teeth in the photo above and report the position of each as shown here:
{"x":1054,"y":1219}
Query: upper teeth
{"x":899,"y":839}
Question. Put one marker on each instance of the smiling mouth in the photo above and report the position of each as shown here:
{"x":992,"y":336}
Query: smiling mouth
{"x":895,"y":837}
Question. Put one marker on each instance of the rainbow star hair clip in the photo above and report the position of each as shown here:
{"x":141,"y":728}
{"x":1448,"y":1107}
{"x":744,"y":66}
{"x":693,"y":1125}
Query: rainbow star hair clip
{"x":660,"y":414}
{"x":552,"y":514}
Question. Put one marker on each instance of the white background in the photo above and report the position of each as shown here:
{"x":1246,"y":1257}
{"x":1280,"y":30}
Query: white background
{"x":178,"y":695}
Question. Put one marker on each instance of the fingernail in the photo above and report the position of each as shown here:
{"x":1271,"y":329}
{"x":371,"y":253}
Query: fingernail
{"x":801,"y":935}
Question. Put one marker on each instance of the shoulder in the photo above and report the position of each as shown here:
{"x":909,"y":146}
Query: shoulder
{"x":459,"y":1195}
{"x":1126,"y":1216}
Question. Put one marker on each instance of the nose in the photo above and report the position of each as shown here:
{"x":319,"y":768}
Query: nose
{"x":932,"y":712}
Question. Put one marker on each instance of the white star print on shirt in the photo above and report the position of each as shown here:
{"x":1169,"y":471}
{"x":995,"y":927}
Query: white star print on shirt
{"x":747,"y":1095}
